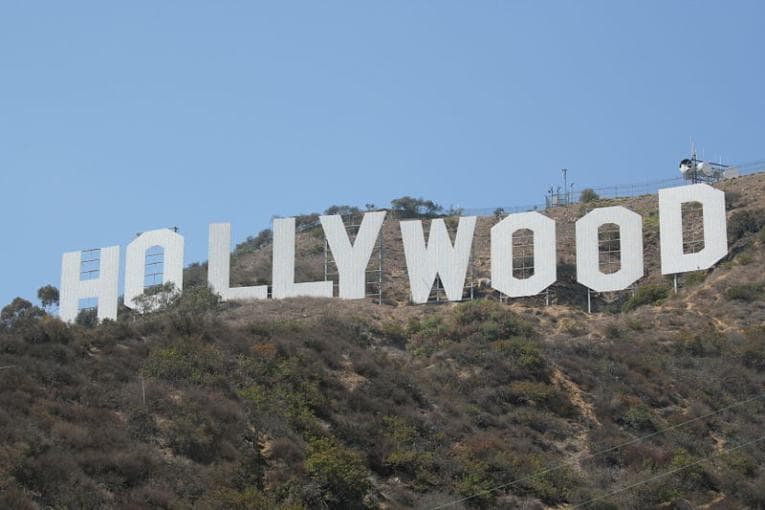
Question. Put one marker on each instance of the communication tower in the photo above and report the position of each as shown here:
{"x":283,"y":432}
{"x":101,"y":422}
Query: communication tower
{"x":697,"y":171}
{"x":560,"y":195}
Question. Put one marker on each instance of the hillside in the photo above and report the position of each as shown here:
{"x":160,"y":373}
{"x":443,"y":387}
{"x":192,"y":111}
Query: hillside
{"x":745,"y":194}
{"x":311,"y":403}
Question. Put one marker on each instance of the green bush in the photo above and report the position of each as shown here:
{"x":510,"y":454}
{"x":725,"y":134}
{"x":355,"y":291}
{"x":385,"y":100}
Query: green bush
{"x":405,"y":457}
{"x":692,"y":474}
{"x":540,"y":394}
{"x":488,"y":320}
{"x":232,"y":499}
{"x":476,"y":482}
{"x":189,"y":360}
{"x":339,"y":471}
{"x":646,"y":295}
{"x":745,"y":222}
{"x":694,"y":278}
{"x":747,"y":292}
{"x":553,"y":486}
{"x":87,"y":317}
{"x":638,"y":418}
{"x":475,"y":323}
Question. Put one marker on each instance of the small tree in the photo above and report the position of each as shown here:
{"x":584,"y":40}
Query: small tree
{"x":48,"y":296}
{"x":157,"y":297}
{"x":342,"y":210}
{"x":196,"y":300}
{"x":251,"y":244}
{"x":454,"y":211}
{"x":309,"y":220}
{"x":588,"y":195}
{"x":19,"y":310}
{"x":410,"y":207}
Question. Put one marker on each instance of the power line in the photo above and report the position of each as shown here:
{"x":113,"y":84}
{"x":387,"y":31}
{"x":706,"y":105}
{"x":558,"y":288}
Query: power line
{"x":598,"y":453}
{"x":667,"y":473}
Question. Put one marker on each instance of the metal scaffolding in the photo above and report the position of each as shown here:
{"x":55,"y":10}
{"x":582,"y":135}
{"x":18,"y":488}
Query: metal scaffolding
{"x":523,"y":254}
{"x":609,"y":248}
{"x":90,"y":269}
{"x":90,"y":264}
{"x":523,"y":261}
{"x":437,"y":293}
{"x":154,"y":267}
{"x":609,"y":258}
{"x":693,"y":227}
{"x":374,"y":273}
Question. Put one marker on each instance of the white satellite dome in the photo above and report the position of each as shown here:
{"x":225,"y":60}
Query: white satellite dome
{"x":686,"y":166}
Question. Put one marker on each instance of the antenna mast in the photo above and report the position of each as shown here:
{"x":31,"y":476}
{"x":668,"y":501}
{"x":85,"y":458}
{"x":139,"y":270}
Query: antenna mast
{"x":564,"y":171}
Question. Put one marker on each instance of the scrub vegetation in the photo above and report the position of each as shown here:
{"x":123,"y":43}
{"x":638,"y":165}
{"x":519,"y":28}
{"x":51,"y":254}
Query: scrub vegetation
{"x":310,"y":403}
{"x":217,"y":405}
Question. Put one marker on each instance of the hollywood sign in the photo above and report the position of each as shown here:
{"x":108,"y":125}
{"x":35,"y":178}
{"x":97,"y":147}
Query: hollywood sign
{"x":438,"y":256}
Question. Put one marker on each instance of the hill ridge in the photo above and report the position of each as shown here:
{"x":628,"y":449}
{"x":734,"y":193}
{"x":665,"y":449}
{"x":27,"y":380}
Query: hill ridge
{"x":325,"y":403}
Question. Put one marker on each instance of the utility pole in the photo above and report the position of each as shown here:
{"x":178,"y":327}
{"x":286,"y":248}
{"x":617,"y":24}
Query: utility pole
{"x":564,"y":171}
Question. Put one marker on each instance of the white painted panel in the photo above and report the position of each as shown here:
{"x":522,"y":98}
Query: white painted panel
{"x":439,"y":257}
{"x":588,"y":271}
{"x":219,"y":267}
{"x":673,"y":260}
{"x":284,"y":285}
{"x":352,"y":259}
{"x":105,"y":287}
{"x":135,"y":261}
{"x":545,"y":258}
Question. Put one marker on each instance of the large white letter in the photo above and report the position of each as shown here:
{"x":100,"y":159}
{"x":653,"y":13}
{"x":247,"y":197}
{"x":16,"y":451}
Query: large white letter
{"x":439,"y":257}
{"x":352,"y":259}
{"x":219,"y":267}
{"x":673,"y":260}
{"x":588,"y":271}
{"x":283,"y":267}
{"x":544,"y":275}
{"x":135,"y":261}
{"x":104,"y":287}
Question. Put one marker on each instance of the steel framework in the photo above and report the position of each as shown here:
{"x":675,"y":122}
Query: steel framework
{"x":374,"y":274}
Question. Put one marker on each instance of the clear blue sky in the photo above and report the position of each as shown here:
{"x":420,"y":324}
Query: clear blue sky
{"x":119,"y":117}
